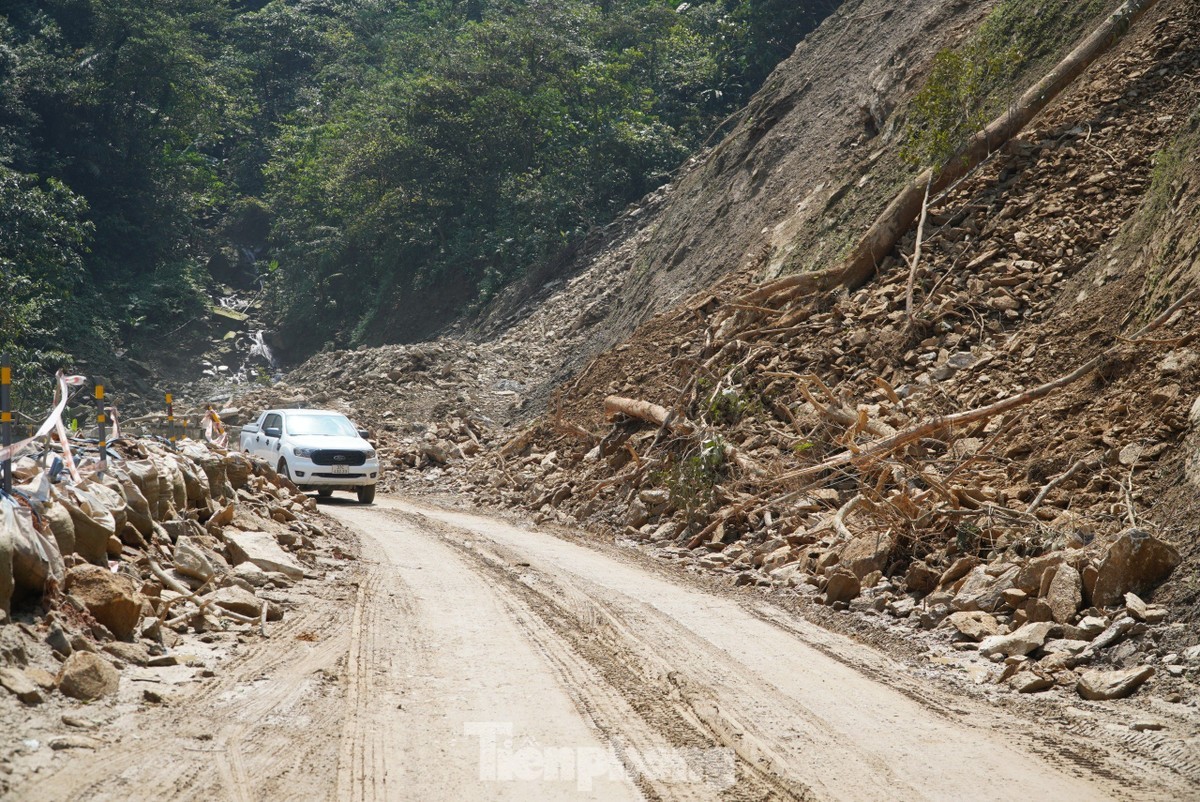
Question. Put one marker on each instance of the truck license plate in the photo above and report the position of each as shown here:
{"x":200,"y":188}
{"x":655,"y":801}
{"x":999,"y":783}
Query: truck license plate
{"x":340,"y":469}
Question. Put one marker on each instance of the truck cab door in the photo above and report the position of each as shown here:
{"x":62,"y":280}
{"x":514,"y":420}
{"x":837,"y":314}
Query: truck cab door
{"x":272,"y":433}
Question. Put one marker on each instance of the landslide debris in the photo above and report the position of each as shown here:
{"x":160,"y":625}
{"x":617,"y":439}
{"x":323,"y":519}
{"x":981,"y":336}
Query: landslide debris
{"x":735,"y":426}
{"x":1010,"y":541}
{"x":171,"y":552}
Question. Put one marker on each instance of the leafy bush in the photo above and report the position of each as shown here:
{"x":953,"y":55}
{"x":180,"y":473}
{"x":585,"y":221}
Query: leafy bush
{"x":969,"y":85}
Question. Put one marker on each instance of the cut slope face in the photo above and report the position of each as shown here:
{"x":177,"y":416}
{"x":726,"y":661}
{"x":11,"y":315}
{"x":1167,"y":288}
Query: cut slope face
{"x":801,"y":142}
{"x":798,"y":145}
{"x":780,"y":466}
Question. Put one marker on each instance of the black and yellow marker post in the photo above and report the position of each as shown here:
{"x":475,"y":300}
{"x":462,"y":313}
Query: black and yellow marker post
{"x":6,"y":419}
{"x":101,"y":420}
{"x":170,"y":419}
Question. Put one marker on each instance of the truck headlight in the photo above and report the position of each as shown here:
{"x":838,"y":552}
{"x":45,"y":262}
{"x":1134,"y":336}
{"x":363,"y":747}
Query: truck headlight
{"x":303,"y":452}
{"x":370,"y":453}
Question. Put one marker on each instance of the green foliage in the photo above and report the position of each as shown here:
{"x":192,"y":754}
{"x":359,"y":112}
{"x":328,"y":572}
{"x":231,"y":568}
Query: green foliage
{"x":42,"y":242}
{"x":469,"y":153}
{"x":372,"y":156}
{"x":692,"y":479}
{"x":969,"y":85}
{"x":728,"y":405}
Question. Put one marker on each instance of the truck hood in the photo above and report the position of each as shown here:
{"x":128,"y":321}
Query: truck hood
{"x":325,"y":441}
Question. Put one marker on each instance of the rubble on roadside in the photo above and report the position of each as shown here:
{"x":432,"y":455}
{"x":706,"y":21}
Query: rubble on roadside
{"x":171,"y":542}
{"x":1034,"y":531}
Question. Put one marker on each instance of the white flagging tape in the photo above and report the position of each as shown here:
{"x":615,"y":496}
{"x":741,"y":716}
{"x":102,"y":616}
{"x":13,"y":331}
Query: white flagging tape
{"x":214,"y":430}
{"x":68,"y":460}
{"x":52,"y":422}
{"x":116,"y":425}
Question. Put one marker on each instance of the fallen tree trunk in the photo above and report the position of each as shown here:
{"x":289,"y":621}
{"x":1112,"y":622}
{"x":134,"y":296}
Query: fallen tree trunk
{"x":887,"y":445}
{"x":898,"y":217}
{"x":644,"y":410}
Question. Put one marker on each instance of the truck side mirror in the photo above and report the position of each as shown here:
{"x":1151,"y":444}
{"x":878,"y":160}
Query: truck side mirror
{"x":364,"y":434}
{"x":273,"y":431}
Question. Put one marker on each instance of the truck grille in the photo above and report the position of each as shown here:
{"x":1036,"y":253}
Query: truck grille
{"x":332,"y":457}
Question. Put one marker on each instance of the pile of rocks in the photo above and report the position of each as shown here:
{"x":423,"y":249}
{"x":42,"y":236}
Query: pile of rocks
{"x":112,"y":570}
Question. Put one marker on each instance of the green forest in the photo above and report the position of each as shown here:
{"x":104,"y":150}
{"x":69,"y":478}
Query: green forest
{"x":381,"y":165}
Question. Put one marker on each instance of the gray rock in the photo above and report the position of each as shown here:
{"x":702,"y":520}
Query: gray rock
{"x":1028,"y":682}
{"x":1102,"y":685}
{"x":15,"y":682}
{"x":843,"y":586}
{"x":112,"y":599}
{"x":1065,"y":594}
{"x":901,"y":607}
{"x":1091,"y":626}
{"x":1022,"y":641}
{"x":261,"y":549}
{"x":243,"y":602}
{"x":982,"y":591}
{"x":190,"y":561}
{"x":1065,"y":646}
{"x":87,"y":677}
{"x":975,"y":624}
{"x":1137,"y":562}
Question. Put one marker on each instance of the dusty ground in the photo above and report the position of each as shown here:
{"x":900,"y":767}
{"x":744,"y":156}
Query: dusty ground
{"x":464,"y":657}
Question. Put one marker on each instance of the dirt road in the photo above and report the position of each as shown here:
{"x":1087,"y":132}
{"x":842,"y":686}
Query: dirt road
{"x":478,"y":660}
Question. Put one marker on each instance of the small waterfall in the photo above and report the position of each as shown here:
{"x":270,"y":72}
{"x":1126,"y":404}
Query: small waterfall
{"x":261,"y":349}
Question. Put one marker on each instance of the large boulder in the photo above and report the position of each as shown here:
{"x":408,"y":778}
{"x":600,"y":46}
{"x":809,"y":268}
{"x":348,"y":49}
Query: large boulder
{"x":920,"y":578}
{"x":190,"y":560}
{"x":1136,"y":563}
{"x":1065,"y":594}
{"x":1030,"y":577}
{"x":88,"y":677}
{"x":843,"y":586}
{"x":982,"y":590}
{"x":1020,"y":642}
{"x":867,"y":553}
{"x":261,"y":549}
{"x":974,"y":624}
{"x":112,"y":599}
{"x":1101,"y":685}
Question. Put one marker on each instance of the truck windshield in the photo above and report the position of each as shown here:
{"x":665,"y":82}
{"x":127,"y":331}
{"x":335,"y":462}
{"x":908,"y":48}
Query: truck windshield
{"x":332,"y":425}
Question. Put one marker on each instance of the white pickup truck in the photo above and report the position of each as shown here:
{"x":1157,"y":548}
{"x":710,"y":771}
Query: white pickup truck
{"x":315,"y":448}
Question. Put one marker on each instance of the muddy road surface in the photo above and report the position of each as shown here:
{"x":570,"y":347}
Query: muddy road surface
{"x":467,"y":658}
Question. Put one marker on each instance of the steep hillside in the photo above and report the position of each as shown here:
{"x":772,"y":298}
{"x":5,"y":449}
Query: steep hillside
{"x":715,"y":219}
{"x":982,"y":456}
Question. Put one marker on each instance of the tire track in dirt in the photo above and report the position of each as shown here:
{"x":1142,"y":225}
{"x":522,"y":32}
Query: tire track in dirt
{"x":440,"y":660}
{"x":796,"y":713}
{"x":252,"y":732}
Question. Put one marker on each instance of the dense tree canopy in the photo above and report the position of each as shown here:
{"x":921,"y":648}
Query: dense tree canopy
{"x":376,"y":156}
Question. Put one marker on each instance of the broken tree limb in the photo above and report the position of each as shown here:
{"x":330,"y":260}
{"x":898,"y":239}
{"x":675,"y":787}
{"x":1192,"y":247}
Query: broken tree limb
{"x":167,"y":580}
{"x":881,"y":238}
{"x":916,"y":259}
{"x":897,"y":441}
{"x":650,"y":413}
{"x":676,"y":424}
{"x":1055,"y":482}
